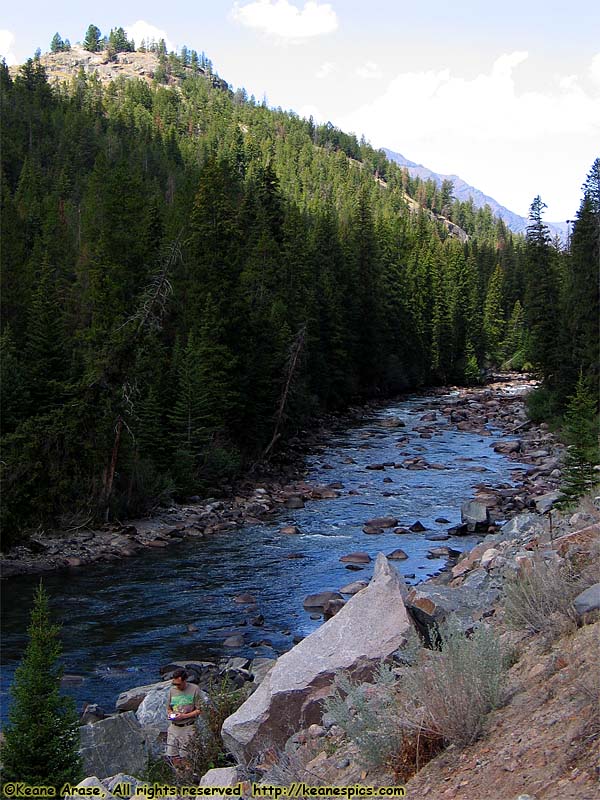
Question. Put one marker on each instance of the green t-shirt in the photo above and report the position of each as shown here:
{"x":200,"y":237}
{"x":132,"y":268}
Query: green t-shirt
{"x":184,"y":700}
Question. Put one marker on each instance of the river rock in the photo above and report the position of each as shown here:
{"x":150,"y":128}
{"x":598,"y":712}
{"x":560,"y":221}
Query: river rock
{"x":294,"y":502}
{"x":133,"y":698}
{"x":475,"y":515}
{"x":356,"y":558}
{"x":397,"y":555}
{"x":319,"y":599}
{"x":507,"y":447}
{"x":372,"y":530}
{"x":235,"y":640}
{"x":291,"y":530}
{"x":331,"y":608}
{"x":370,"y":627}
{"x":244,"y":599}
{"x":382,"y":522}
{"x":354,"y":587}
{"x":115,"y":744}
{"x":417,"y":527}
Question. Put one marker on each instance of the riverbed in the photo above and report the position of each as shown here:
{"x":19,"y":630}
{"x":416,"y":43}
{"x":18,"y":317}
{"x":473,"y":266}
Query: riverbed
{"x":122,"y":621}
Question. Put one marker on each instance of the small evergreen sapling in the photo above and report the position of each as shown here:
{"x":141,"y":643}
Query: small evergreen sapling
{"x":581,"y":432}
{"x":41,"y":741}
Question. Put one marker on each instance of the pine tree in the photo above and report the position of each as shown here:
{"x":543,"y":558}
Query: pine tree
{"x":581,"y":309}
{"x":42,"y":738}
{"x":581,"y":433}
{"x":542,"y":296}
{"x":92,"y":39}
{"x":493,"y":318}
{"x":57,"y":45}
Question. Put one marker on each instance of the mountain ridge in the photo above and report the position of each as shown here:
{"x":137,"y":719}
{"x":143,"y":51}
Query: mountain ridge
{"x":463,"y":191}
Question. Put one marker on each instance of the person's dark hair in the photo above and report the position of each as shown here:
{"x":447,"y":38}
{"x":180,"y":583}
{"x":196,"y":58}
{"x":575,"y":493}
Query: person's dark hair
{"x":179,"y":673}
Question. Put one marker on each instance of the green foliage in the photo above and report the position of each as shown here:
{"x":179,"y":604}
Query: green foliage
{"x":459,"y":687}
{"x":57,"y":45}
{"x":42,"y":738}
{"x":91,"y":41}
{"x":543,"y":405}
{"x":581,"y":433}
{"x":127,"y":381}
{"x":370,"y":716}
{"x":542,"y":297}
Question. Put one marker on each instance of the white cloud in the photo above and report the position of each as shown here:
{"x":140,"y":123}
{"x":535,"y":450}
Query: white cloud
{"x":7,"y":40}
{"x":282,"y":18}
{"x":326,"y":69}
{"x":369,"y":71}
{"x":595,"y":69}
{"x":308,"y":111}
{"x":144,"y":30}
{"x":512,"y":144}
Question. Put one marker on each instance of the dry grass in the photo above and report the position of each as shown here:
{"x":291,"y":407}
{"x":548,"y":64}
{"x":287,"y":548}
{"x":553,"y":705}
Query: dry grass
{"x":541,"y":599}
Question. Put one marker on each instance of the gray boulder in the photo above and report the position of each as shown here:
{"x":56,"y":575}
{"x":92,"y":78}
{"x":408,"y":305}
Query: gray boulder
{"x":132,"y":699}
{"x":113,"y":745}
{"x":475,"y":515}
{"x":367,"y":629}
{"x":588,"y":600}
{"x":544,"y":502}
{"x":222,"y":776}
{"x":521,"y":526}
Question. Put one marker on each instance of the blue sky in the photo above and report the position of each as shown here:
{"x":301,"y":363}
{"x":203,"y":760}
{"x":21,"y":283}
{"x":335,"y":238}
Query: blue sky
{"x":506,"y":95}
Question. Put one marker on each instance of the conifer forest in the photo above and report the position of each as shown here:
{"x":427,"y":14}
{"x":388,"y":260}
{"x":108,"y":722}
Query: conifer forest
{"x":190,"y":276}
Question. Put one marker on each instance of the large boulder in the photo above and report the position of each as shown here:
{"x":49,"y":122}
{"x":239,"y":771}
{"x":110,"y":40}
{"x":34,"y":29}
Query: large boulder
{"x":220,"y":777}
{"x":371,"y":626}
{"x":431,"y":604}
{"x":132,"y":699}
{"x":113,"y":745}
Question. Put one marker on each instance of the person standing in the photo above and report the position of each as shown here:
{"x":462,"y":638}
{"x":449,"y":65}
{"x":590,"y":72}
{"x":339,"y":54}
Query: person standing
{"x":184,"y":706}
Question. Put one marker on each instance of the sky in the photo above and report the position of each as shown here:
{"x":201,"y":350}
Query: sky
{"x":506,"y":95}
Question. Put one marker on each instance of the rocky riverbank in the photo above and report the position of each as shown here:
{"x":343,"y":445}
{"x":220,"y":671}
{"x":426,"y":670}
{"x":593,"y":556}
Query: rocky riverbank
{"x":280,"y":733}
{"x":500,"y":404}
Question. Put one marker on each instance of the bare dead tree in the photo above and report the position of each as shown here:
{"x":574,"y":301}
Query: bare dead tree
{"x":293,"y":362}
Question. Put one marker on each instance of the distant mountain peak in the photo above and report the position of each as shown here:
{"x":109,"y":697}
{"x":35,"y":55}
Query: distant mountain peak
{"x":463,"y":191}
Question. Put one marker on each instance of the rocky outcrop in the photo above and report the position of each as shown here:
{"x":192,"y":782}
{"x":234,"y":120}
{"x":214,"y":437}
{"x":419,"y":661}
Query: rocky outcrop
{"x":112,"y":745}
{"x":371,"y":626}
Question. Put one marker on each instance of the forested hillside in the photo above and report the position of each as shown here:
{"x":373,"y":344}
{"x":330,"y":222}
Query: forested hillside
{"x":188,"y":276}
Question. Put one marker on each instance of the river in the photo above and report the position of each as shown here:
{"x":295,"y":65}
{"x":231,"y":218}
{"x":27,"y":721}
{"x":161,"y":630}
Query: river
{"x":121,"y":622}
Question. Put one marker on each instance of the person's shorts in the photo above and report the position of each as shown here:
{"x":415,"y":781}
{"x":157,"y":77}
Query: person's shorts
{"x":179,"y":738}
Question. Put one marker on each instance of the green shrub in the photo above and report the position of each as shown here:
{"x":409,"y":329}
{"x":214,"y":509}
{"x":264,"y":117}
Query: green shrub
{"x":543,"y":406}
{"x":370,"y":716}
{"x":465,"y":681}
